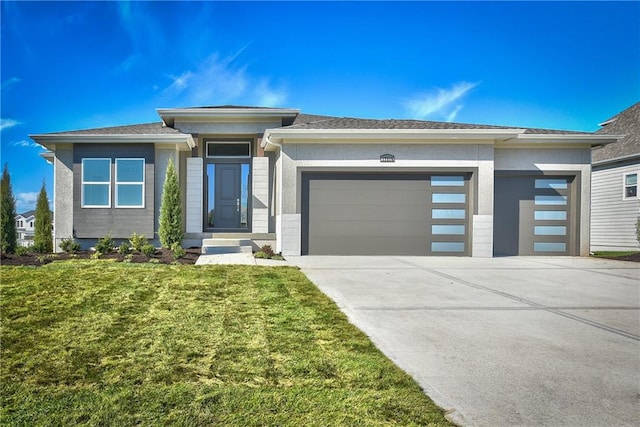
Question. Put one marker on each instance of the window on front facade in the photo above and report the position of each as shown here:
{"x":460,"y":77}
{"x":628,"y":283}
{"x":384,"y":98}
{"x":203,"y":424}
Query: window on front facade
{"x":129,"y":183}
{"x":96,"y":183}
{"x":228,"y":149}
{"x":631,"y":186}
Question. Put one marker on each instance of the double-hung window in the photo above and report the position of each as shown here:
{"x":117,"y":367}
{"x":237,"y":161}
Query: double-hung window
{"x":129,"y":183}
{"x":96,"y":183}
{"x":630,"y":186}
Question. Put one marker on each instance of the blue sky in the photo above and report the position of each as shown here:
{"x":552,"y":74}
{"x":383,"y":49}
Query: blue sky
{"x":71,"y":65}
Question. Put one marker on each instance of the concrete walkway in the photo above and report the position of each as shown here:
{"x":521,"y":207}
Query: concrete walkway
{"x":237,"y":259}
{"x":502,"y":341}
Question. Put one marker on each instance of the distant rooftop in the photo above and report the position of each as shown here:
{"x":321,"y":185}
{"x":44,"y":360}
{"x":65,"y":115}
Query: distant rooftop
{"x":626,"y":123}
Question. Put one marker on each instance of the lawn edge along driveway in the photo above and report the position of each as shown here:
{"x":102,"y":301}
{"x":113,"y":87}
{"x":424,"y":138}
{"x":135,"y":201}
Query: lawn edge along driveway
{"x":95,"y":343}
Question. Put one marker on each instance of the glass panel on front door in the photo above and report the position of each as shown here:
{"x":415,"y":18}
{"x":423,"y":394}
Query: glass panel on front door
{"x":227,"y":196}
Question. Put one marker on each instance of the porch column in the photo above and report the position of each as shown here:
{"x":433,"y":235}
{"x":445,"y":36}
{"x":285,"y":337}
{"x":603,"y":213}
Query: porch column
{"x":260,"y":199}
{"x":195,"y":181}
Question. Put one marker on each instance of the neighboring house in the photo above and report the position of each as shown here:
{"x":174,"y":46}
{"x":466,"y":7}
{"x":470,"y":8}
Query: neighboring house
{"x":25,"y":227}
{"x":310,"y":184}
{"x":615,"y":204}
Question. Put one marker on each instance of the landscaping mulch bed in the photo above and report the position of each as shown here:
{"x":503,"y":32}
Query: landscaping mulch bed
{"x":631,"y":257}
{"x":161,"y":256}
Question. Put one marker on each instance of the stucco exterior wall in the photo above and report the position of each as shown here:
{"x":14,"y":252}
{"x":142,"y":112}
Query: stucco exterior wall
{"x":226,"y":128}
{"x":296,"y":158}
{"x":63,"y":194}
{"x":162,"y":161}
{"x":555,"y":160}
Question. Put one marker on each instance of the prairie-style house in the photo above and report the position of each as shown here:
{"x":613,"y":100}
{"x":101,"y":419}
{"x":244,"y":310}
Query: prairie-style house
{"x":313,"y":184}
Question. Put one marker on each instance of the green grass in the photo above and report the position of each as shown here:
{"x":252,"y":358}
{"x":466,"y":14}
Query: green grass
{"x":613,"y":254}
{"x":99,"y":343}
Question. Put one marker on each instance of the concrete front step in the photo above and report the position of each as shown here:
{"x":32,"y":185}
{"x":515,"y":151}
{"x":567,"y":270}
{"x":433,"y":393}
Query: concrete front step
{"x":226,"y":246}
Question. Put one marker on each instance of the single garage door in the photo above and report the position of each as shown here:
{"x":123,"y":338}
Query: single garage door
{"x":535,"y":214}
{"x":385,"y":214}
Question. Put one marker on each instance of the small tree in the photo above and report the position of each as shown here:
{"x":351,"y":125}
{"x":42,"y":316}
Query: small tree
{"x":42,"y":239}
{"x":170,"y":230}
{"x":8,"y":234}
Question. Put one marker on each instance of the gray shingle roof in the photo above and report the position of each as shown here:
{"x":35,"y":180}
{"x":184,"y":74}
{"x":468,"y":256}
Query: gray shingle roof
{"x":313,"y":121}
{"x":310,"y":121}
{"x":156,"y":128}
{"x":626,"y":123}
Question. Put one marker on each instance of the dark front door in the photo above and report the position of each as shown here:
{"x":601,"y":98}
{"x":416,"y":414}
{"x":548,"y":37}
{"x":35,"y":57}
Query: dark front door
{"x":227,"y":196}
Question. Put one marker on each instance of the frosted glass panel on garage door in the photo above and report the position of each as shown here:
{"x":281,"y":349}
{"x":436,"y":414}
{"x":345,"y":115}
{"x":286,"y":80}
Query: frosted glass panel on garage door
{"x":447,"y":181}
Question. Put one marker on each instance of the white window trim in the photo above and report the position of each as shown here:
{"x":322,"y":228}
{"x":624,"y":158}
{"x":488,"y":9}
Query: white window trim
{"x":141,"y":206}
{"x":108,"y":183}
{"x":206,"y":149}
{"x":624,"y":186}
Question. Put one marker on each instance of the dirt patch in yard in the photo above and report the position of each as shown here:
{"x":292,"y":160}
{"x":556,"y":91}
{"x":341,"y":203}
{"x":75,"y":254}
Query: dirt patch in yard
{"x":160,"y":256}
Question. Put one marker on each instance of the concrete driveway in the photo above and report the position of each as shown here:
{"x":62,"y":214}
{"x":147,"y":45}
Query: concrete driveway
{"x":502,"y":341}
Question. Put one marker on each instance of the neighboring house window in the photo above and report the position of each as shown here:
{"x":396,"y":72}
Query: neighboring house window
{"x":631,"y":186}
{"x":96,"y":183}
{"x":31,"y":224}
{"x":129,"y":183}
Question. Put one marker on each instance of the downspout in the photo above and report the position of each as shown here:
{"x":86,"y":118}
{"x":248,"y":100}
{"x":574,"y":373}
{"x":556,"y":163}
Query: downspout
{"x":276,"y":199}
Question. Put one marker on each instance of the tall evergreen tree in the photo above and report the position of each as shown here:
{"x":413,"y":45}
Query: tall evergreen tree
{"x":8,"y":233}
{"x":171,"y":209}
{"x":43,"y":239}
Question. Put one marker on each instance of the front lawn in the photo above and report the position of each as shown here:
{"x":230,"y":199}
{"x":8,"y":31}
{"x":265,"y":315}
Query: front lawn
{"x":103,"y":343}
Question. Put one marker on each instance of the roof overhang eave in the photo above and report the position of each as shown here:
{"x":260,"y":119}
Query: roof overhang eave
{"x":184,"y":142}
{"x":377,"y":135}
{"x":592,"y":140}
{"x":48,"y":156}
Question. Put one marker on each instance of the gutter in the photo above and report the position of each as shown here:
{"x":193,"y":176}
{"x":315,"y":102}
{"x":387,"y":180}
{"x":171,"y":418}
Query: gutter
{"x":49,"y":141}
{"x":266,"y":141}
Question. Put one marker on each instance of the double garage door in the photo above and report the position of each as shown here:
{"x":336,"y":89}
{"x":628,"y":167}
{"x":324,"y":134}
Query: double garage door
{"x":386,"y":214}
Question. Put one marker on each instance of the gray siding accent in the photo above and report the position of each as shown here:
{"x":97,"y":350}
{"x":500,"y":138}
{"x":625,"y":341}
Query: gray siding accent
{"x":613,"y":219}
{"x":118,"y":222}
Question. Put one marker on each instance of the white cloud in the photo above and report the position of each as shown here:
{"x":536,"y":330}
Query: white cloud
{"x":26,"y":201}
{"x":26,"y":144}
{"x":439,"y":103}
{"x":269,"y":97}
{"x":451,"y":116}
{"x":8,"y":83}
{"x":8,"y":123}
{"x":219,"y":81}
